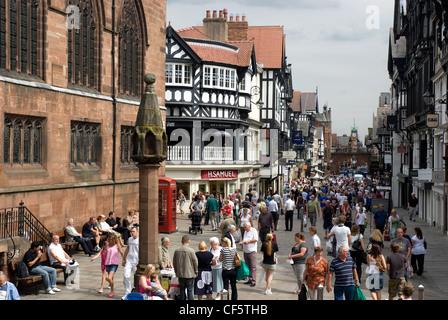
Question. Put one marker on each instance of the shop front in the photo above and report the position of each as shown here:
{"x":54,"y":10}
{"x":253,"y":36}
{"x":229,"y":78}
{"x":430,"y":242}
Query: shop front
{"x":213,"y":180}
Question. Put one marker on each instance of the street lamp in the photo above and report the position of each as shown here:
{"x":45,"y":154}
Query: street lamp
{"x":428,"y":98}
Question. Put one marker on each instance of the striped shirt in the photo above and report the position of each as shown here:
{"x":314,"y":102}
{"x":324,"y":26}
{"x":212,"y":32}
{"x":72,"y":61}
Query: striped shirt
{"x":343,"y":271}
{"x":228,"y":258}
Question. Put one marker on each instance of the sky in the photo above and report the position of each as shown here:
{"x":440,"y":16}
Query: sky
{"x":337,"y":47}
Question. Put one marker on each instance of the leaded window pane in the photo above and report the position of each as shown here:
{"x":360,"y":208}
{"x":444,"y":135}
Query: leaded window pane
{"x":27,"y":142}
{"x":7,"y":138}
{"x":17,"y":142}
{"x":2,"y":34}
{"x":37,"y":134}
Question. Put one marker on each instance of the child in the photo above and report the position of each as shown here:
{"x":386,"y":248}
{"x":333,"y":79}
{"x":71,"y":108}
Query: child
{"x":158,"y":292}
{"x":103,"y":265}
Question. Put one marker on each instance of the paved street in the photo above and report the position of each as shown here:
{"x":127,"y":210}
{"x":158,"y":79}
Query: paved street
{"x":434,"y":279}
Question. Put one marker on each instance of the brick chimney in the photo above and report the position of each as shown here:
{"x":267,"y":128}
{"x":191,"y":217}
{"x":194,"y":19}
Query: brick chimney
{"x":216,"y":27}
{"x":238,"y":28}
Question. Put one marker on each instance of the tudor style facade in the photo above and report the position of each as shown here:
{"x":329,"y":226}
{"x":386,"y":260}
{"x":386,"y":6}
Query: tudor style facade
{"x":417,"y":67}
{"x":212,"y":125}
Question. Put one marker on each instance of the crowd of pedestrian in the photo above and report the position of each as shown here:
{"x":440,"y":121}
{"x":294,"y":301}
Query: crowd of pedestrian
{"x":250,"y":222}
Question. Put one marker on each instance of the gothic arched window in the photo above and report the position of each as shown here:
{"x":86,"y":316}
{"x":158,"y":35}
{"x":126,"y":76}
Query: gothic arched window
{"x":83,"y":52}
{"x":21,"y":36}
{"x":130,"y":47}
{"x":22,"y":140}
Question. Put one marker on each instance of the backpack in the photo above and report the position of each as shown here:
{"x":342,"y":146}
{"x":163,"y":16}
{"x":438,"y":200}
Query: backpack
{"x":22,"y":270}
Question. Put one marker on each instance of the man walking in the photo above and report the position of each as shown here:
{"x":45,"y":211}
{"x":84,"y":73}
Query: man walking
{"x":249,"y":243}
{"x":380,"y":218}
{"x":289,"y":212}
{"x":312,"y":209}
{"x":265,"y":223}
{"x":273,"y":210}
{"x":404,"y":245}
{"x":346,"y":277}
{"x":396,"y":268}
{"x":212,"y":209}
{"x":413,"y":207}
{"x":185,"y":264}
{"x":130,"y":259}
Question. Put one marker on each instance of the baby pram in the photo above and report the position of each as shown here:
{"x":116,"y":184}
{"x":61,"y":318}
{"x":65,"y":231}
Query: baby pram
{"x":196,"y":219}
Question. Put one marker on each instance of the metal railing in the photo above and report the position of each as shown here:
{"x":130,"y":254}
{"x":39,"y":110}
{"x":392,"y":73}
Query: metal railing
{"x":20,"y":222}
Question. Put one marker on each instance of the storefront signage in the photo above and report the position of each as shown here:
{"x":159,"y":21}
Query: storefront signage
{"x":432,"y":120}
{"x":219,"y":174}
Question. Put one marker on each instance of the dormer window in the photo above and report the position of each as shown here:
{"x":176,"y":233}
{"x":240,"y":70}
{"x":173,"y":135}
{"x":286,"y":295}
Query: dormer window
{"x":219,"y":78}
{"x":178,"y":74}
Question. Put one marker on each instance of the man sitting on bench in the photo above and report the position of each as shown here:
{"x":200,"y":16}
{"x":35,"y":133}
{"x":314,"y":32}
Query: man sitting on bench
{"x":60,"y":259}
{"x":32,"y":260}
{"x":72,"y":235}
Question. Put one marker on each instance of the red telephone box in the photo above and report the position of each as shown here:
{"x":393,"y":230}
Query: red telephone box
{"x":167,"y":205}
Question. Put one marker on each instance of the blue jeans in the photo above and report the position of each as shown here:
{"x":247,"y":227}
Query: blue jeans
{"x":188,"y":284}
{"x":48,"y":275}
{"x":341,"y":291}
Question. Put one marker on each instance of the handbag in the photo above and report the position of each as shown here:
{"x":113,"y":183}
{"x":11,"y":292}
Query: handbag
{"x":237,"y":260}
{"x":386,"y":235}
{"x":379,"y":263}
{"x":303,"y":295}
{"x":357,"y":244}
{"x":425,"y":244}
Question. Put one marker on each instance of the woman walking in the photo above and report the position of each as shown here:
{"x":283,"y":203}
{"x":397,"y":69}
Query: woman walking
{"x":203,"y":282}
{"x":357,"y":249}
{"x":418,"y":252}
{"x":244,"y":217}
{"x":299,"y":253}
{"x":269,"y":249}
{"x":316,"y":270}
{"x":113,"y":247}
{"x":217,"y":268}
{"x":377,"y":267}
{"x":182,"y":201}
{"x":393,"y":223}
{"x":227,"y":257}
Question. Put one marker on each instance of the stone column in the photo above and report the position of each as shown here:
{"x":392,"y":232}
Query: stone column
{"x":148,"y":218}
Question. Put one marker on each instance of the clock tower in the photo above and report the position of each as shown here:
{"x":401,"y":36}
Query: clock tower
{"x":354,"y":139}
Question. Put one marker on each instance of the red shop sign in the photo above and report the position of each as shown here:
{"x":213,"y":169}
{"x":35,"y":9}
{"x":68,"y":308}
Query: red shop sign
{"x":219,"y":174}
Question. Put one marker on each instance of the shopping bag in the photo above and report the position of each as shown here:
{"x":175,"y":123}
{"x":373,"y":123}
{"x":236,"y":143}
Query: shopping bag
{"x":242,"y":272}
{"x":303,"y":293}
{"x":386,"y":235}
{"x":358,"y":295}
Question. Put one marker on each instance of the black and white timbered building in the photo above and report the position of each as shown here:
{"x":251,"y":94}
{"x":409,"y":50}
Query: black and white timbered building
{"x":212,"y":124}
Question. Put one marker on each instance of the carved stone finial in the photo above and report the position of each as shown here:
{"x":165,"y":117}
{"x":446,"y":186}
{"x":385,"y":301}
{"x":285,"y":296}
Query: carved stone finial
{"x":149,"y":139}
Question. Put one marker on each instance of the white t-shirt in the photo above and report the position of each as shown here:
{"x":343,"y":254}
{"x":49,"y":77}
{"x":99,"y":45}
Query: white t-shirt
{"x":132,"y":256}
{"x":57,"y":251}
{"x":360,"y":218}
{"x":316,"y":243}
{"x":341,"y":233}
